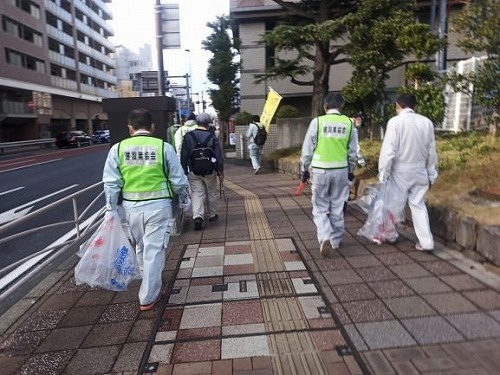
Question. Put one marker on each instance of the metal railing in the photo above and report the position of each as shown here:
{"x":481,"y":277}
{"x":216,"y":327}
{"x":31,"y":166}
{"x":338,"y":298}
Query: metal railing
{"x":84,"y":225}
{"x":40,"y":143}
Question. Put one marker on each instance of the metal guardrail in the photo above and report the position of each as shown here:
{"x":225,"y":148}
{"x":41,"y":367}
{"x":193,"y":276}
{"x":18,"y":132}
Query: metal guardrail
{"x":44,"y":142}
{"x":83,"y":228}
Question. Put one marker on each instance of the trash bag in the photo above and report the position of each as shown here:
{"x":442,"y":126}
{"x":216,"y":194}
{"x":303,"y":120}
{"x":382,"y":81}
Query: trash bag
{"x":365,"y":202}
{"x":107,"y":259}
{"x":380,"y":225}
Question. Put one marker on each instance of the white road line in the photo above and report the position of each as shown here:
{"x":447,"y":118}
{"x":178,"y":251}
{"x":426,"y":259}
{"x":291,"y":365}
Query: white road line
{"x":19,"y":271}
{"x":17,"y":212}
{"x":31,"y":165}
{"x":11,"y":190}
{"x":6,"y":163}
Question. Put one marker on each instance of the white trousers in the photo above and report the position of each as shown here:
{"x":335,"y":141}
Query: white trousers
{"x":255,"y":153}
{"x":410,"y":187}
{"x":151,"y":232}
{"x":204,"y":189}
{"x":330,"y":189}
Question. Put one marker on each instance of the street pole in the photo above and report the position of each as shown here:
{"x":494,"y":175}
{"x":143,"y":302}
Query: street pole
{"x":159,"y":47}
{"x":188,"y":75}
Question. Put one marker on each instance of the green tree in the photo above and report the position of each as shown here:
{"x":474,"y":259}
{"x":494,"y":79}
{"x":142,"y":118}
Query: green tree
{"x":223,"y":67}
{"x":478,"y":24}
{"x":371,"y":35}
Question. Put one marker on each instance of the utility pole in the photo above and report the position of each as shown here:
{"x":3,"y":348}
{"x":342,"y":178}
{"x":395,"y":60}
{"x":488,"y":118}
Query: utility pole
{"x":442,"y":32}
{"x":159,"y":47}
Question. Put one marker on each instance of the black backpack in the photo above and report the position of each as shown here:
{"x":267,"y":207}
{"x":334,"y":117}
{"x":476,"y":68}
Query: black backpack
{"x":202,"y":158}
{"x":261,"y":136}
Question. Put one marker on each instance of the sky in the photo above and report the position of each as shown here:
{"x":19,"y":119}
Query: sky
{"x":134,"y":25}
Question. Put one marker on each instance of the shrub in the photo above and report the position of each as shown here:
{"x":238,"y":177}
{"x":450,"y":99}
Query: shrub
{"x":287,"y":111}
{"x":243,"y":118}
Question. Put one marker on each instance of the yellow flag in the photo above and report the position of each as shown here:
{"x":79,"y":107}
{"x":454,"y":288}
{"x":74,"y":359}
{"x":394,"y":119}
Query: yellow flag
{"x":270,"y":107}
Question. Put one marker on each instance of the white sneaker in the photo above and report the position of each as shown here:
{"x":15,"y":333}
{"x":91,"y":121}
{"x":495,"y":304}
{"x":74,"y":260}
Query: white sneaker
{"x":257,"y":170}
{"x":325,"y":248}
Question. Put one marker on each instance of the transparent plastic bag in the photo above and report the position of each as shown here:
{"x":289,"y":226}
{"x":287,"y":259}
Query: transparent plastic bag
{"x":380,"y":225}
{"x":108,"y":261}
{"x":365,"y":202}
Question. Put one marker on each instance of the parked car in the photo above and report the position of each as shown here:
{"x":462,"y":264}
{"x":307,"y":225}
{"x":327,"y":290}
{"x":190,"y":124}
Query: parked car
{"x":100,"y":136}
{"x":73,"y":138}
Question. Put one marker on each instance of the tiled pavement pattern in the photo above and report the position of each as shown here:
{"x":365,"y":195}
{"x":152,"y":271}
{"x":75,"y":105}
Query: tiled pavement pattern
{"x":250,"y":294}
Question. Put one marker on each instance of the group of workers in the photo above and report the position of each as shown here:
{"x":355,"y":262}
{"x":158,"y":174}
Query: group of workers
{"x":148,"y":172}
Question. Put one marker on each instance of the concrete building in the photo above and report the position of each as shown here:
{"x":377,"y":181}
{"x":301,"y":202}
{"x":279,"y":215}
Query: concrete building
{"x":55,"y":66}
{"x":253,"y":18}
{"x":129,"y":68}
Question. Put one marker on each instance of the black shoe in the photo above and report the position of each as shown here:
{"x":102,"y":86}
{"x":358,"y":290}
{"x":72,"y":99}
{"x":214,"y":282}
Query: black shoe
{"x":213,"y":218}
{"x":198,"y":223}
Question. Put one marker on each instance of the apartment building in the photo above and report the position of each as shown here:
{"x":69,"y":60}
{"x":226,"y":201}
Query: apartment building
{"x":130,"y":66}
{"x":253,"y":18}
{"x":55,"y":66}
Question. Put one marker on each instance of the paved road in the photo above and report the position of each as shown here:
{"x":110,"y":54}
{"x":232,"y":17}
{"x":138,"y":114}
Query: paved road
{"x":250,"y":294}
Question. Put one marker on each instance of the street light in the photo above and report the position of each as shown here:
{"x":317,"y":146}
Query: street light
{"x":188,"y":81}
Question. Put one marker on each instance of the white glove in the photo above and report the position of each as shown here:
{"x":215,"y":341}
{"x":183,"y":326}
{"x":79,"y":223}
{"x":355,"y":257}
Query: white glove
{"x":186,"y":204}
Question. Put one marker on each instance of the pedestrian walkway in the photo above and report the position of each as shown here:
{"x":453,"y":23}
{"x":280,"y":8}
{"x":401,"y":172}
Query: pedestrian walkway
{"x":250,"y":294}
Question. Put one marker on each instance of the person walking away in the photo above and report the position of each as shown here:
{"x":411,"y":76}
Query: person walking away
{"x":408,"y":165}
{"x":357,"y":121}
{"x":189,"y":125}
{"x":202,"y":161}
{"x":329,"y":148}
{"x":256,"y":136}
{"x":146,"y":172}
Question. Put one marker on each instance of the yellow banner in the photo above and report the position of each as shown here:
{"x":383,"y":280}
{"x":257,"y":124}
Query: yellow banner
{"x":270,"y":107}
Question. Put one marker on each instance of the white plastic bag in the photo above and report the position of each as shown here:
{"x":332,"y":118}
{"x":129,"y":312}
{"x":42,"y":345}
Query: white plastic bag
{"x":365,"y":202}
{"x":380,"y":225}
{"x":107,"y":259}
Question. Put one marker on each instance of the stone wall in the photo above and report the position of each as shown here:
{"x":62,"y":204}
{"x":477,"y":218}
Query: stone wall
{"x":480,"y":242}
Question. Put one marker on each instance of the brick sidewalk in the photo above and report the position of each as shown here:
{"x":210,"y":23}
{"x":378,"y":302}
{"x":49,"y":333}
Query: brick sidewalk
{"x":250,"y":294}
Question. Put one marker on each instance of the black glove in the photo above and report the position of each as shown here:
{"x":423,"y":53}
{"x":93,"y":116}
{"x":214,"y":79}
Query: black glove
{"x":304,"y":176}
{"x":350,"y":176}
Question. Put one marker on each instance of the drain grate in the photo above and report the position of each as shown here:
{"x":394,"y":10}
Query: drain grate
{"x":274,"y":284}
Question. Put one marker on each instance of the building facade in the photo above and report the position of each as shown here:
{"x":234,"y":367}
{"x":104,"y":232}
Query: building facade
{"x":253,"y":18}
{"x":55,"y":67}
{"x":129,"y":68}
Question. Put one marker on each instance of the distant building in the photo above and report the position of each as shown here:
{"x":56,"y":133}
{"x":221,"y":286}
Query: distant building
{"x":253,"y":18}
{"x":129,"y":68}
{"x":55,"y":66}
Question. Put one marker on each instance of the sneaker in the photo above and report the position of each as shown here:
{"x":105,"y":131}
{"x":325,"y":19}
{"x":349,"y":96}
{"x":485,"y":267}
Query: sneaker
{"x":198,"y":223}
{"x":257,"y":170}
{"x":213,"y":218}
{"x":325,"y":249}
{"x":420,"y":248}
{"x":150,"y":306}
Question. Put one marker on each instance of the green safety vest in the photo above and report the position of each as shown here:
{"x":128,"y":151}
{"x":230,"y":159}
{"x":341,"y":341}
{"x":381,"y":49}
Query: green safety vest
{"x":142,"y":168}
{"x":334,"y":132}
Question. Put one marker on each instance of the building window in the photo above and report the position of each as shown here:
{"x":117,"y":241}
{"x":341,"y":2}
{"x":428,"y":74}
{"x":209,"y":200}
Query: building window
{"x":28,"y":6}
{"x":15,"y":28}
{"x":270,"y":52}
{"x":24,"y":61}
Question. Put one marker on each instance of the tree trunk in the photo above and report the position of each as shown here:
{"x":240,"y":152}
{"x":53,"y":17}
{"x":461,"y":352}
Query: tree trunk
{"x":321,"y":76}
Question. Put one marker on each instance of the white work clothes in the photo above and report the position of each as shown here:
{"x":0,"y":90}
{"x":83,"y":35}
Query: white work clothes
{"x":204,"y":188}
{"x":408,"y":163}
{"x":148,"y":220}
{"x":330,"y":187}
{"x":255,"y":151}
{"x":181,"y":132}
{"x":151,"y":230}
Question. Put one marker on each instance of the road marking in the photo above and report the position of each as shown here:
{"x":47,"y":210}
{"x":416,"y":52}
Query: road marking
{"x":20,"y":211}
{"x":11,"y":190}
{"x":31,"y":165}
{"x":6,"y":163}
{"x":23,"y":268}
